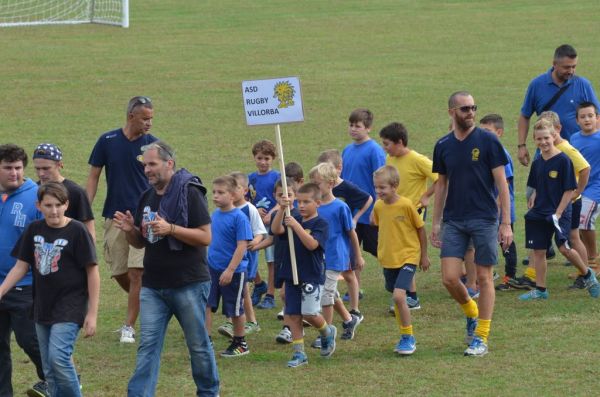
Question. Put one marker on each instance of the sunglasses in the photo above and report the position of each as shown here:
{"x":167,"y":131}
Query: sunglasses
{"x":465,"y":109}
{"x":140,"y":100}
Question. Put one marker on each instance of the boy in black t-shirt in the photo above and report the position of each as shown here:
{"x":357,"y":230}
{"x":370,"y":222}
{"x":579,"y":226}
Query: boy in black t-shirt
{"x":66,"y":285}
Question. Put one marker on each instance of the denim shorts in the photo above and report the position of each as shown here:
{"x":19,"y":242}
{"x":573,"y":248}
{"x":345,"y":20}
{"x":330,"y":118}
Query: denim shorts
{"x":484,"y":233}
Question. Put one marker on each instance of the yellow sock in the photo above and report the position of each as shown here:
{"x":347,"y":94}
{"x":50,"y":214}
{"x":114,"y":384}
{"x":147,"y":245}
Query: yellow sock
{"x":530,"y":273}
{"x":406,"y":330}
{"x":470,"y":309}
{"x":483,"y":329}
{"x":323,"y":331}
{"x":397,"y":316}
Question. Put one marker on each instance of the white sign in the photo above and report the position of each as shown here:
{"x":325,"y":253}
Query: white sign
{"x":272,"y":101}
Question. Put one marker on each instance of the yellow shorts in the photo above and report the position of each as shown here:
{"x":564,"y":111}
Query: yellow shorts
{"x":118,"y":254}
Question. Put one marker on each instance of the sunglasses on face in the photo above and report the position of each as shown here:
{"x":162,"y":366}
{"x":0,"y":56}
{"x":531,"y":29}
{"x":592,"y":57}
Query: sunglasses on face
{"x":465,"y":109}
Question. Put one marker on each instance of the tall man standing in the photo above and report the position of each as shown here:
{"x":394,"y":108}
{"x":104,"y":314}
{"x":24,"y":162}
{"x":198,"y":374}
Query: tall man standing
{"x":173,"y":223}
{"x":558,"y":90}
{"x":120,"y":152}
{"x":18,"y":196}
{"x":470,"y":162}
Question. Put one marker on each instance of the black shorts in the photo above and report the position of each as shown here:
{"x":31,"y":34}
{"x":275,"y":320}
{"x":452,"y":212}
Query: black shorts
{"x":368,"y":236}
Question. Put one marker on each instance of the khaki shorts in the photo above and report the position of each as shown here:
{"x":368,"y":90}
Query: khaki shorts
{"x":118,"y":254}
{"x":330,"y":292}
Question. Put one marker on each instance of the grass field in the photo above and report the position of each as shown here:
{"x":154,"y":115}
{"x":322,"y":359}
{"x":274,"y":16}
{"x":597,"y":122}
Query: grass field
{"x":401,"y":59}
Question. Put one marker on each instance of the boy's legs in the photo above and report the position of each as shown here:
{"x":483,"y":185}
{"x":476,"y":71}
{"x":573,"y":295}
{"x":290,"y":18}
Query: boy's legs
{"x":587,"y":226}
{"x":268,"y":301}
{"x":538,"y":235}
{"x":353,"y":288}
{"x":233,"y":306}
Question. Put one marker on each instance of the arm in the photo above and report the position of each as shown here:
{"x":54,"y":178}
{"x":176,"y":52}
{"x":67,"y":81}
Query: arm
{"x":584,"y":177}
{"x":267,"y":242}
{"x":523,"y":128}
{"x":91,"y":228}
{"x":255,"y":241}
{"x":505,"y":235}
{"x":564,"y":201}
{"x":18,"y":271}
{"x":237,"y":257}
{"x":91,"y":186}
{"x":440,"y":192}
{"x":360,"y":262}
{"x":424,"y":200}
{"x":194,"y":236}
{"x":307,"y":240}
{"x":361,"y":211}
{"x":124,"y":221}
{"x":424,"y":261}
{"x":93,"y":281}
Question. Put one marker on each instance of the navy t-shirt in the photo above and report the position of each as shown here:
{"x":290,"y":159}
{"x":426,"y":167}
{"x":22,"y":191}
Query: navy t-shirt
{"x":468,"y":165}
{"x":125,"y":179}
{"x":351,"y":194}
{"x":551,"y":179}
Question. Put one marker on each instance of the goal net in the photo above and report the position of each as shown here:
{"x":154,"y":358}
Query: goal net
{"x":44,"y":12}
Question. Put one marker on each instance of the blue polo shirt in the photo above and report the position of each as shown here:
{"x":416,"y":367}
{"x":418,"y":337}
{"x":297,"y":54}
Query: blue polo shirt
{"x":589,"y":147}
{"x":542,"y":89}
{"x":468,"y":166}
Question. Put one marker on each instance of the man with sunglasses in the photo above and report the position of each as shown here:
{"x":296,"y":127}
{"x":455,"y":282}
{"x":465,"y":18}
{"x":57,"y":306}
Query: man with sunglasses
{"x":120,"y":152}
{"x":470,"y":162}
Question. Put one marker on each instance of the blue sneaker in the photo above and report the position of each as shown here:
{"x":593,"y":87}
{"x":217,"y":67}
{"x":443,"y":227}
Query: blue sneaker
{"x":268,"y":302}
{"x":413,"y":304}
{"x":346,"y":297}
{"x":406,"y":345}
{"x":592,"y":285}
{"x":477,"y":348}
{"x":298,"y":359}
{"x":473,"y":293}
{"x":328,"y":342}
{"x":258,"y":291}
{"x":471,"y":325}
{"x":534,"y":294}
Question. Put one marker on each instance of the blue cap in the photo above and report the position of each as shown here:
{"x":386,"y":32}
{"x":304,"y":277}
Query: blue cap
{"x":47,"y":151}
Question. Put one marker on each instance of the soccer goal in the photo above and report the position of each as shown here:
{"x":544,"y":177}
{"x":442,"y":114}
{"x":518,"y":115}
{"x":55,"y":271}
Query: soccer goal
{"x":45,"y":12}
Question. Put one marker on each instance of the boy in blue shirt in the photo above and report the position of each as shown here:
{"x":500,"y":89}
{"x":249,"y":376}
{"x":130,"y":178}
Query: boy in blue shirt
{"x":553,"y":179}
{"x":303,"y":300}
{"x":228,"y":262}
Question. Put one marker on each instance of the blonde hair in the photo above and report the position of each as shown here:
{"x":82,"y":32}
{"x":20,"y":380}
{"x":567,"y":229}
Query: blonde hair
{"x":228,"y":181}
{"x":387,"y":174}
{"x":543,"y":124}
{"x":325,"y":170}
{"x":550,"y":116}
{"x":240,"y":178}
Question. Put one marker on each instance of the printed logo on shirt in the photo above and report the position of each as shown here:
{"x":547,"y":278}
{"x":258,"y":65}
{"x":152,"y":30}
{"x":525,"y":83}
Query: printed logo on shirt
{"x":47,"y":255}
{"x":140,"y":158}
{"x":400,"y":218}
{"x":110,"y":136}
{"x":147,"y":233}
{"x":553,"y":174}
{"x":475,"y":154}
{"x":20,"y":219}
{"x":307,"y":231}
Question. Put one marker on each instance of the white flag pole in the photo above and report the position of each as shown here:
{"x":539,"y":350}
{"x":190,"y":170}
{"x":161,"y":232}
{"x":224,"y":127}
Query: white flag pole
{"x":287,"y":210}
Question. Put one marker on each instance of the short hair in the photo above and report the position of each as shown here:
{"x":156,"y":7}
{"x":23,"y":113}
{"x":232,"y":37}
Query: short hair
{"x":240,"y":178}
{"x":312,"y":189}
{"x":494,"y":119}
{"x":165,"y":152}
{"x":265,"y":147}
{"x":325,"y":170}
{"x":294,"y":171}
{"x":452,"y":99}
{"x":543,"y":124}
{"x":330,"y":156}
{"x":54,"y":189}
{"x":139,"y":101}
{"x":395,"y":132}
{"x":550,"y":116}
{"x":11,"y":153}
{"x":387,"y":174}
{"x":289,"y":182}
{"x":563,"y":51}
{"x":586,"y":104}
{"x":363,"y":115}
{"x":228,"y":181}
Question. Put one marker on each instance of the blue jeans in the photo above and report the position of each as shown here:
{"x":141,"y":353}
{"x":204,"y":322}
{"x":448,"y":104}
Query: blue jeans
{"x":157,"y":306}
{"x":56,"y":347}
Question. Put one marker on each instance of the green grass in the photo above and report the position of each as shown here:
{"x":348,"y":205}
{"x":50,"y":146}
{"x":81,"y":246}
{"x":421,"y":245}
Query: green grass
{"x":68,"y":84}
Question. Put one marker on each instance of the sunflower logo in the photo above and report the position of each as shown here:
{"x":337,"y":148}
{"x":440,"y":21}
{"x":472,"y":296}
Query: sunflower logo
{"x":284,"y":92}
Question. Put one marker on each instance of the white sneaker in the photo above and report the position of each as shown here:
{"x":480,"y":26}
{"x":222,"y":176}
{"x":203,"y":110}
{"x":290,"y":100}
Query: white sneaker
{"x":280,"y":315}
{"x":127,"y":334}
{"x":284,"y":336}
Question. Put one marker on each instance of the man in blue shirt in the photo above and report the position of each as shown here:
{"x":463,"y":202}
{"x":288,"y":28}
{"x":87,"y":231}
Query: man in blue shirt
{"x":120,"y":152}
{"x":543,"y":94}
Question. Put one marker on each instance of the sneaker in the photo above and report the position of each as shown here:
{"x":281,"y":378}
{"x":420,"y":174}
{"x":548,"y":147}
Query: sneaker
{"x":316,"y":343}
{"x":474,"y":294}
{"x":284,"y":336}
{"x":534,"y":294}
{"x":550,"y":253}
{"x":328,"y":342}
{"x":280,"y":315}
{"x":236,"y":349}
{"x":268,"y":302}
{"x":358,"y":315}
{"x":257,"y":293}
{"x":496,"y":276}
{"x":477,"y":348}
{"x":592,"y":285}
{"x":406,"y":345}
{"x":525,"y":262}
{"x":127,"y":334}
{"x":522,"y":283}
{"x":579,"y":283}
{"x":471,"y":325}
{"x":298,"y":359}
{"x":413,"y":304}
{"x":346,"y":297}
{"x":392,"y":310}
{"x":40,"y":389}
{"x":226,"y":330}
{"x":251,"y":327}
{"x":350,"y":328}
{"x":505,"y":285}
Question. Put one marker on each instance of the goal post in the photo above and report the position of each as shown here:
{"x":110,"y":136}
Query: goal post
{"x":48,"y":12}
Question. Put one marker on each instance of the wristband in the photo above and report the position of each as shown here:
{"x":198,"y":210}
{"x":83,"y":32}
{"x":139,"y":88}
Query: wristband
{"x":172,"y":229}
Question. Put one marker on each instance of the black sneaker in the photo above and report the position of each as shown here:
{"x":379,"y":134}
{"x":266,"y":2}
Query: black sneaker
{"x":522,"y":283}
{"x":358,"y":314}
{"x":236,"y":349}
{"x":40,"y":389}
{"x":350,"y":328}
{"x":579,"y":283}
{"x":550,"y":253}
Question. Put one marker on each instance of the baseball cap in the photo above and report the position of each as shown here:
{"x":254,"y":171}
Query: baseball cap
{"x":47,"y":151}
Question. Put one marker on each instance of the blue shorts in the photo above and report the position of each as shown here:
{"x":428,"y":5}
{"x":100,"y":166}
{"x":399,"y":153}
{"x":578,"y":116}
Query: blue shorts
{"x":484,"y":233}
{"x":399,"y":278}
{"x":232,"y":294}
{"x":538,"y":233}
{"x":575,"y":213}
{"x":368,"y":236}
{"x":269,"y":254}
{"x":252,"y":265}
{"x":302,"y":299}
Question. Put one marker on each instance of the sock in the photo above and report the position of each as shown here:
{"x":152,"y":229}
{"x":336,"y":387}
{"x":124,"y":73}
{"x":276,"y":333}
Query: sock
{"x":412,"y":294}
{"x":541,"y":289}
{"x":324,"y":330}
{"x":483,"y":329}
{"x":298,"y":345}
{"x":530,"y":273}
{"x":356,"y":312}
{"x":397,"y":317}
{"x":406,"y":330}
{"x":470,"y":309}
